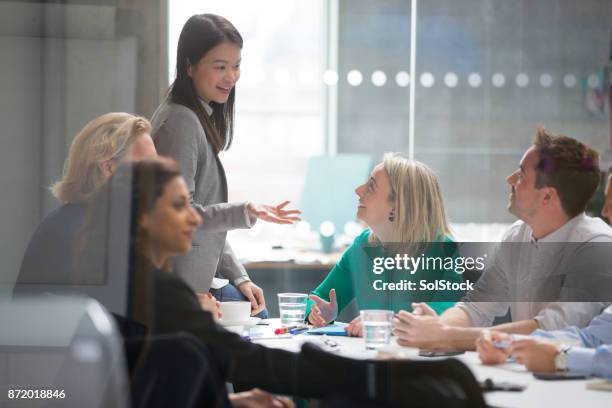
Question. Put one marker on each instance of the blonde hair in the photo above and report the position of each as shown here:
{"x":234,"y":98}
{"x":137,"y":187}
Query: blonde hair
{"x":419,"y":207}
{"x":104,"y":138}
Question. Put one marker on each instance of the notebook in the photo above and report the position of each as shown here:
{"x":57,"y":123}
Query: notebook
{"x":336,"y":329}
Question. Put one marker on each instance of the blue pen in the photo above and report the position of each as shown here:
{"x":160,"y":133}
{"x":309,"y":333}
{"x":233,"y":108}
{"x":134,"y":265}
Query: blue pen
{"x":298,"y":330}
{"x":502,"y":344}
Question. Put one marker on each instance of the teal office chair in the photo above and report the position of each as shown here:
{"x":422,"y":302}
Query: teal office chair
{"x":329,"y":188}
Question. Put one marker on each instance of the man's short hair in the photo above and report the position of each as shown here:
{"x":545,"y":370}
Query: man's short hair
{"x":569,"y":166}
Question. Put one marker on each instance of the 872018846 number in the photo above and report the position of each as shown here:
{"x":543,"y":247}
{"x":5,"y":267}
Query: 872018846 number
{"x":35,"y":394}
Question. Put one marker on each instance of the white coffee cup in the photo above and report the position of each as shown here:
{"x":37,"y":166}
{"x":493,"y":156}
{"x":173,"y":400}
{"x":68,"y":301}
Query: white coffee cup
{"x":235,"y":311}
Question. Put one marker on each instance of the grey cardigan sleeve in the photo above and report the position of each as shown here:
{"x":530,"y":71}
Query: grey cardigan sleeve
{"x":224,"y":216}
{"x":231,"y":268}
{"x":181,"y":138}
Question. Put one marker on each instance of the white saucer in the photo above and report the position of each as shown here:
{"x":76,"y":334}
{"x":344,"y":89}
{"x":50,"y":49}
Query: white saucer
{"x":252,"y":321}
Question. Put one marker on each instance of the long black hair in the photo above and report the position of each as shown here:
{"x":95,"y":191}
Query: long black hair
{"x":200,"y":34}
{"x":111,"y":240}
{"x":114,"y":212}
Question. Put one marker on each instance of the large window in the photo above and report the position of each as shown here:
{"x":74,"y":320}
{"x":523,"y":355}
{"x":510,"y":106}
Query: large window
{"x":464,"y":96}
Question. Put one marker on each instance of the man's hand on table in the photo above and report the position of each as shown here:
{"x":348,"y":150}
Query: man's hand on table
{"x":255,"y":295}
{"x":538,"y":356}
{"x":421,"y":328}
{"x":487,"y":352}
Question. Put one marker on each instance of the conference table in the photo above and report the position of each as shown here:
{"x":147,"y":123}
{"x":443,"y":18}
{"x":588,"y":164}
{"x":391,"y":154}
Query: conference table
{"x":538,"y":393}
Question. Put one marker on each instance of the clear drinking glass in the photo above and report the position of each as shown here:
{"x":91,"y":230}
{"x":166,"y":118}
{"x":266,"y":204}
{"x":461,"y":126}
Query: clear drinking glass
{"x":376,"y":327}
{"x":292,"y":308}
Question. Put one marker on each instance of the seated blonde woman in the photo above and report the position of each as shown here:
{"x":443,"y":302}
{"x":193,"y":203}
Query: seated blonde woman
{"x":96,"y":151}
{"x":402,"y":206}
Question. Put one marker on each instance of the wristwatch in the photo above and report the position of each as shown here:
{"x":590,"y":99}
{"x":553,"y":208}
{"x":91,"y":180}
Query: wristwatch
{"x":561,"y":358}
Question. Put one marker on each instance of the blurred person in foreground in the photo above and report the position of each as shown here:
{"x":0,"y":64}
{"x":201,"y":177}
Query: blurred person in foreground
{"x":162,"y":223}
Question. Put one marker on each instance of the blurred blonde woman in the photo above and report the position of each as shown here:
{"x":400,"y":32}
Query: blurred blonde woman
{"x":97,"y":150}
{"x":402,"y":206}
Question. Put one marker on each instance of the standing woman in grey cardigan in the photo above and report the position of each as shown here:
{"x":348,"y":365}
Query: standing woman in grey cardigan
{"x":193,"y":125}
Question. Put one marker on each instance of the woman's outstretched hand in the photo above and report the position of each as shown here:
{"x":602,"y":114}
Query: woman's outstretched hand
{"x":276,"y":214}
{"x":323,"y":312}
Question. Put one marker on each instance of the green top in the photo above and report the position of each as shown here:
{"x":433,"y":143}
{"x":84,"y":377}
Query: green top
{"x":353,"y":278}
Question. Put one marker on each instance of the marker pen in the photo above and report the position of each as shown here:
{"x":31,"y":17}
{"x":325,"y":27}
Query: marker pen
{"x":298,"y":330}
{"x":283,"y":330}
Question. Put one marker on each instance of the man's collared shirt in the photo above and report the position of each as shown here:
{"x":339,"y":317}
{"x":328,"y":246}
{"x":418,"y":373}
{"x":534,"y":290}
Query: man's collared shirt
{"x":530,"y":271}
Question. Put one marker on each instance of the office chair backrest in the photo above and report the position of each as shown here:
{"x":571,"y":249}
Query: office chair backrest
{"x":65,"y":344}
